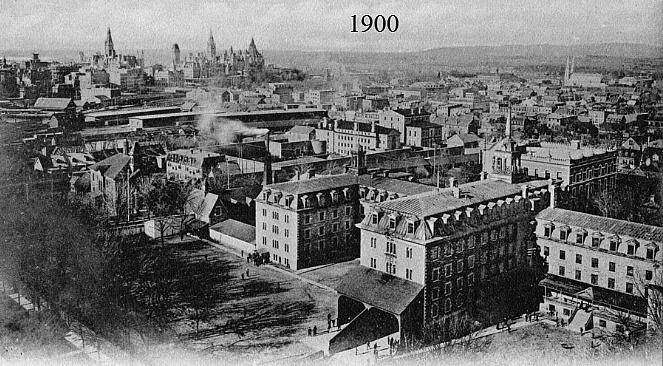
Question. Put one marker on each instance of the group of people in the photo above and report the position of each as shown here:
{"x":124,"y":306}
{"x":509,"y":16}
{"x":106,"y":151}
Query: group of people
{"x":330,"y":324}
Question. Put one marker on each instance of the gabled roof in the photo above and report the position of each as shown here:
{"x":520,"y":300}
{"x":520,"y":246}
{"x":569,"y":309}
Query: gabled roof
{"x":112,"y":166}
{"x":605,"y":225}
{"x":53,"y":104}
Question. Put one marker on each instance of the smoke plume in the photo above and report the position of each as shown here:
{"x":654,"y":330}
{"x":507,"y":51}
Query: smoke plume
{"x":226,"y":131}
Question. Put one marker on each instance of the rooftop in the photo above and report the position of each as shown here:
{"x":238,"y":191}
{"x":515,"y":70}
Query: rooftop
{"x":112,"y":166}
{"x":394,"y":185}
{"x":52,"y":103}
{"x":236,"y":229}
{"x":384,"y":291}
{"x":315,"y":184}
{"x":602,"y":224}
{"x":436,"y":202}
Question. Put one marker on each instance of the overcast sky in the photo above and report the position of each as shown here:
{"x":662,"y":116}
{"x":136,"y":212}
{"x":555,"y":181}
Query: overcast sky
{"x":323,"y":25}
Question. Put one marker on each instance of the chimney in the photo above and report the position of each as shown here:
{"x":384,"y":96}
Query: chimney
{"x":372,"y":126}
{"x":452,"y":182}
{"x":524,"y":188}
{"x":335,"y":124}
{"x":355,"y":126}
{"x":483,"y":175}
{"x":456,"y":191}
{"x":267,"y":178}
{"x":311,"y":173}
{"x":553,"y":196}
{"x":575,"y":144}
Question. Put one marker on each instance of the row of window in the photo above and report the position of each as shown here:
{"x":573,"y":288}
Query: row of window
{"x":448,"y":307}
{"x":448,"y":286}
{"x":448,"y":268}
{"x":595,"y":263}
{"x":321,"y":230}
{"x":594,"y":279}
{"x":322,"y":215}
{"x":469,"y":242}
{"x":565,"y":235}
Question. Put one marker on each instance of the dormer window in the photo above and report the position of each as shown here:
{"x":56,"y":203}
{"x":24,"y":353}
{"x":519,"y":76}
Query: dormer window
{"x":392,"y":223}
{"x":614,"y":244}
{"x":580,"y":238}
{"x":563,"y":233}
{"x":630,"y":249}
{"x":374,"y":218}
{"x":410,"y":227}
{"x":334,"y":196}
{"x":650,"y":253}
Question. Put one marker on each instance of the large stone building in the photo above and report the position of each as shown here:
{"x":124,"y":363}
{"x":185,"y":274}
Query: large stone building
{"x":399,"y":118}
{"x":599,"y":269}
{"x":347,"y":138}
{"x":583,"y":170}
{"x":191,"y":164}
{"x":423,"y":256}
{"x":309,"y":222}
{"x":247,"y":63}
{"x":8,"y":85}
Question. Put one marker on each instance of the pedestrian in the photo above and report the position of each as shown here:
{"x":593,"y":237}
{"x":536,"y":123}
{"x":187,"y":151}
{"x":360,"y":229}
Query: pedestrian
{"x":368,"y":345}
{"x":309,"y":331}
{"x":248,"y":258}
{"x":375,"y":349}
{"x":247,"y":273}
{"x":338,"y":325}
{"x":242,"y":275}
{"x":329,"y":327}
{"x":315,"y":330}
{"x":356,"y":351}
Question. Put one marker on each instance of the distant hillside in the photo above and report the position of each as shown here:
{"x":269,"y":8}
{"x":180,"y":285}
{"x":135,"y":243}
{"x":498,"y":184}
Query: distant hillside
{"x":609,"y":54}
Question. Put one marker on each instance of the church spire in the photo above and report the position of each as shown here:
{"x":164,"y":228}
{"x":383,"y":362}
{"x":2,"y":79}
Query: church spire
{"x":108,"y":45}
{"x":507,"y":128}
{"x":211,"y":46}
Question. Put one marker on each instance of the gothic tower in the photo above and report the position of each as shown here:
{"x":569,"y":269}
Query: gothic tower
{"x":110,"y":50}
{"x":566,"y":72}
{"x":176,"y":55}
{"x":211,"y":46}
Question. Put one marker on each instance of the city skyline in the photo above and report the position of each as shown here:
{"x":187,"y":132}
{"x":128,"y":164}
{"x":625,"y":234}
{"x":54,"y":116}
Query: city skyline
{"x":424,"y":25}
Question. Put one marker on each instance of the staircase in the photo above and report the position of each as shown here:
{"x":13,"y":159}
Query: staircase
{"x":581,"y":320}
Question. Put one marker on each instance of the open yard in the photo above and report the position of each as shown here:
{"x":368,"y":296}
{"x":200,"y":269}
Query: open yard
{"x":255,"y":318}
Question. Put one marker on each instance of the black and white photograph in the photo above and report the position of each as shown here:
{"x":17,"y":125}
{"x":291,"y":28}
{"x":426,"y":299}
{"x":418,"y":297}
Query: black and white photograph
{"x":322,"y":183}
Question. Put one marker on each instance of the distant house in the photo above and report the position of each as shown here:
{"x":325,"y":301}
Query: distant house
{"x":463,"y":144}
{"x":108,"y":178}
{"x":63,"y":109}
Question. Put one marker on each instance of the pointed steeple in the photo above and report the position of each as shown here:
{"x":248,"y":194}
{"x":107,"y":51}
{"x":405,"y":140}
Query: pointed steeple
{"x":108,"y":45}
{"x":211,"y":46}
{"x":507,"y":129}
{"x":573,"y":65}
